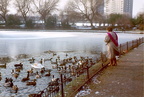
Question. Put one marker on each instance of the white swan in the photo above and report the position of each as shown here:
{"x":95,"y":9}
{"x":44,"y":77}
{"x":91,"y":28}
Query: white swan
{"x":38,"y":65}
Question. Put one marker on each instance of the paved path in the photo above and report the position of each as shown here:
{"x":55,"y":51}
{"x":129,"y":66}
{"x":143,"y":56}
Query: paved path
{"x":124,"y":80}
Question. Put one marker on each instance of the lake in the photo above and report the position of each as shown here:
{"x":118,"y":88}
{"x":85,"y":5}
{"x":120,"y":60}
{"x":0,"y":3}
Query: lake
{"x":35,"y":43}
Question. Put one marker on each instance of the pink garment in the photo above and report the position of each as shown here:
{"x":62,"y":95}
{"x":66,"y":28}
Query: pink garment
{"x":115,"y":41}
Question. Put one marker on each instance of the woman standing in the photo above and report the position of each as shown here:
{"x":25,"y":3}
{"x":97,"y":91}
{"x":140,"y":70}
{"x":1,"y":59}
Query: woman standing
{"x":111,"y":40}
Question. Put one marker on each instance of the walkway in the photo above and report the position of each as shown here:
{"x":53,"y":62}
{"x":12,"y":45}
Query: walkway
{"x":124,"y":80}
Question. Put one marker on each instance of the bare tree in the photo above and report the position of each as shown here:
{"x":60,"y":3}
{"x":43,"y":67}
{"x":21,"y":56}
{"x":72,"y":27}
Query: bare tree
{"x":4,"y":9}
{"x":23,"y":7}
{"x":89,"y":9}
{"x":45,"y":8}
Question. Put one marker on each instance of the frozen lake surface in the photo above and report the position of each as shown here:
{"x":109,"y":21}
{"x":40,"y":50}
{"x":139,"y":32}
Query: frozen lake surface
{"x":35,"y":42}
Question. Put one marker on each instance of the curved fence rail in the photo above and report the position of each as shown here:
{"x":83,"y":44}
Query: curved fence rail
{"x":73,"y":77}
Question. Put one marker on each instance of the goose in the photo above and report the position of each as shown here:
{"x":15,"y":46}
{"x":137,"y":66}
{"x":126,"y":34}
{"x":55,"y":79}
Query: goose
{"x":31,"y":82}
{"x":26,"y":78}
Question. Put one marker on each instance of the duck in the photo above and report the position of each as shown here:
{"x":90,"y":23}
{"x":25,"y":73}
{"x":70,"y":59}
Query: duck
{"x":67,"y":79}
{"x":8,"y":82}
{"x":42,"y":70}
{"x":30,"y":71}
{"x":53,"y":89}
{"x":48,"y":59}
{"x":54,"y":54}
{"x":42,"y":61}
{"x":48,"y":74}
{"x":20,"y":65}
{"x":31,"y":82}
{"x":3,"y":66}
{"x":14,"y":74}
{"x":26,"y":78}
{"x":37,"y":75}
{"x":0,"y":76}
{"x":52,"y":62}
{"x":66,"y":54}
{"x":32,"y":60}
{"x":54,"y":82}
{"x":17,"y":69}
{"x":36,"y":95}
{"x":14,"y":89}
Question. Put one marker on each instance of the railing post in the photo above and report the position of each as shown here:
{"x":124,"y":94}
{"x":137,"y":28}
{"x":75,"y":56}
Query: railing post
{"x":127,"y":46}
{"x":62,"y":91}
{"x":120,"y":49}
{"x":87,"y":72}
{"x":132,"y":44}
{"x":137,"y":42}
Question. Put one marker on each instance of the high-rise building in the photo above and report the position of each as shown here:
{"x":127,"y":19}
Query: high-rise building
{"x":118,"y":6}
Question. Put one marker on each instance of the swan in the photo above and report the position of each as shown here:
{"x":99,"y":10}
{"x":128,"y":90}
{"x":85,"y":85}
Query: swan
{"x":38,"y":65}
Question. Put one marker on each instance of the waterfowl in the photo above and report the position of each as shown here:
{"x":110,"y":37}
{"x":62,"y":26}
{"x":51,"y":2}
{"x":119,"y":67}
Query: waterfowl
{"x":42,"y":61}
{"x":54,"y":54}
{"x":42,"y":70}
{"x":54,"y":82}
{"x":30,"y":71}
{"x":3,"y":66}
{"x":67,"y":79}
{"x":36,"y":95}
{"x":26,"y":78}
{"x":0,"y":76}
{"x":14,"y":74}
{"x":32,"y":60}
{"x":31,"y":82}
{"x":54,"y":62}
{"x":17,"y":69}
{"x":55,"y":66}
{"x":48,"y":74}
{"x":14,"y":89}
{"x":66,"y":54}
{"x":48,"y":59}
{"x":20,"y":65}
{"x":8,"y":82}
{"x":53,"y":89}
{"x":37,"y":75}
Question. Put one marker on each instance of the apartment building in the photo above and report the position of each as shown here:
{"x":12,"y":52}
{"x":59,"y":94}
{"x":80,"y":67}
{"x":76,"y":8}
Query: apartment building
{"x":118,"y":6}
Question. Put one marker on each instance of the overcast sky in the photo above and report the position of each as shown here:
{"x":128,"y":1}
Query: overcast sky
{"x":138,"y":6}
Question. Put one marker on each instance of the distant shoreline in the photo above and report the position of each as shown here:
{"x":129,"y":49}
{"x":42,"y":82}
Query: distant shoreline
{"x":94,"y":31}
